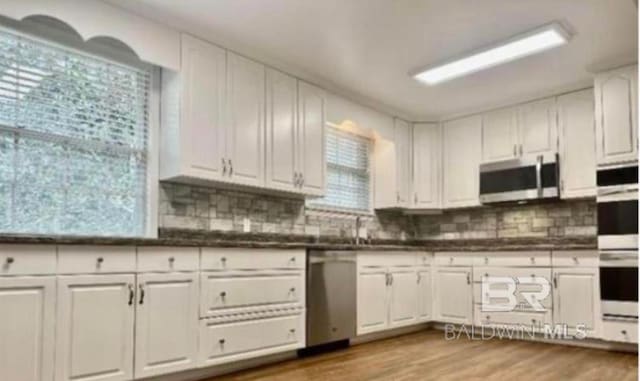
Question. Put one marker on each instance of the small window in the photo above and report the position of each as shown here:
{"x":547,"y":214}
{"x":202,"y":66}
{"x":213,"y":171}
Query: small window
{"x":348,"y":182}
{"x":73,"y":141}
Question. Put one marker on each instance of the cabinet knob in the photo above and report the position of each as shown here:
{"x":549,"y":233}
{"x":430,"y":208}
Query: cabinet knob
{"x":223,"y":260}
{"x":486,"y":260}
{"x":292,"y":289}
{"x":221,"y":341}
{"x":292,"y":330}
{"x":533,"y":321}
{"x":450,"y":259}
{"x":624,"y":332}
{"x":171,"y":260}
{"x":100,"y":260}
{"x":488,"y":317}
{"x":575,"y":259}
{"x":223,"y":294}
{"x":293,"y":259}
{"x":10,"y":260}
{"x":533,"y":260}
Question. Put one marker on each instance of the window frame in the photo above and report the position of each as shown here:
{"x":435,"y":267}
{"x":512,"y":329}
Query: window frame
{"x":63,"y":40}
{"x":329,"y":211}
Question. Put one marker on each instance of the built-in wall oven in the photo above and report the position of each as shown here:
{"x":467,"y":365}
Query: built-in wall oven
{"x":527,"y":178}
{"x":618,"y":241}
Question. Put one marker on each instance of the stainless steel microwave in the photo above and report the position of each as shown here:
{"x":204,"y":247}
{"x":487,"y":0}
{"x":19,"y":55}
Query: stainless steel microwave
{"x":523,"y":179}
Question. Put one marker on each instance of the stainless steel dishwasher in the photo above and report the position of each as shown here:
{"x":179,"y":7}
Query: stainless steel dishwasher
{"x":331,"y":296}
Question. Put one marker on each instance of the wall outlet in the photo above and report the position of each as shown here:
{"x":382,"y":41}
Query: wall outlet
{"x":246,"y":225}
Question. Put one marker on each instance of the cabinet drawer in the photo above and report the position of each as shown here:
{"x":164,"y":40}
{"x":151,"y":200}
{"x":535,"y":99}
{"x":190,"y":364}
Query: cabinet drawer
{"x":454,"y":259}
{"x":529,"y":319}
{"x":222,"y":343}
{"x":479,"y":273}
{"x":96,"y":259}
{"x":477,"y":294}
{"x":27,"y":259}
{"x":224,"y":293}
{"x":514,"y":258}
{"x":166,"y":259}
{"x":620,"y":331}
{"x":247,"y":259}
{"x":573,"y":258}
{"x":386,"y":259}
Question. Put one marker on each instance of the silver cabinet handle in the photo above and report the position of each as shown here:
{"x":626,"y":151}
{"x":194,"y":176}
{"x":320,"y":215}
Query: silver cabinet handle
{"x":295,"y":179}
{"x":390,"y":279}
{"x":223,"y":294}
{"x":224,"y":166}
{"x":221,"y":341}
{"x":520,"y":149}
{"x":141,"y":287}
{"x":301,"y":179}
{"x":230,"y":168}
{"x":539,"y":174}
{"x":386,"y":280}
{"x":468,"y":278}
{"x":419,"y":277}
{"x":10,"y":260}
{"x":131,"y":294}
{"x":515,"y":150}
{"x":99,"y":261}
{"x":415,"y":198}
{"x":555,"y":280}
{"x":397,"y":196}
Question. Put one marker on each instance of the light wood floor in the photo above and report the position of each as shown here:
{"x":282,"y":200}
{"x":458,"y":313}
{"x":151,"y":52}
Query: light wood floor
{"x":428,"y":356}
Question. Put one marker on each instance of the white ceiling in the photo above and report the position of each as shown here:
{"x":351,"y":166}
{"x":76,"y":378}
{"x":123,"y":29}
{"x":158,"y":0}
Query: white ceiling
{"x":364,"y":48}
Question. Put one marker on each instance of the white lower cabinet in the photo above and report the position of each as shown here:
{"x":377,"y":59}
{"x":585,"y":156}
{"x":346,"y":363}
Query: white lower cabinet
{"x":27,"y":306}
{"x":403,"y":301}
{"x":166,"y":323}
{"x":372,"y":300}
{"x":576,"y":298}
{"x":620,"y":331}
{"x":94,"y":327}
{"x":227,"y":342}
{"x":453,"y":295}
{"x":425,"y":298}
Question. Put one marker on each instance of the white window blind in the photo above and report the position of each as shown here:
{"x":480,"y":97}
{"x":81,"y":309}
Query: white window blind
{"x":348,"y":184}
{"x":73,"y":141}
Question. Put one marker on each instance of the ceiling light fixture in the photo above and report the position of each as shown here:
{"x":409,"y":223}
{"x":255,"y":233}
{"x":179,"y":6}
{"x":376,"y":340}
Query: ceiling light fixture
{"x":525,"y":44}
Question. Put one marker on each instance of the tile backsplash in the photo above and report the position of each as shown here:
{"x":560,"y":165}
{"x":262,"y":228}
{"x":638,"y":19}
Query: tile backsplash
{"x":204,"y":208}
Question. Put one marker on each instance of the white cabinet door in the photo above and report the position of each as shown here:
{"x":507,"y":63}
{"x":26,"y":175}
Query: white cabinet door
{"x":425,"y":300}
{"x":203,"y":93}
{"x":617,"y":116}
{"x":499,"y":135}
{"x":94,"y":327}
{"x":462,"y":155}
{"x":166,"y":323}
{"x":311,"y":138}
{"x":27,"y":306}
{"x":426,"y":177}
{"x":403,"y":309}
{"x":282,"y":98}
{"x":538,"y":129}
{"x":576,"y":298}
{"x":454,"y":295}
{"x":577,"y":145}
{"x":372,"y":300}
{"x":245,"y":129}
{"x":402,"y":133}
{"x":384,"y":161}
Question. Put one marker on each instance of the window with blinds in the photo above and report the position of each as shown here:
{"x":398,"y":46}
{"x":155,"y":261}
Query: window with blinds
{"x":73,"y":141}
{"x":348,"y":183}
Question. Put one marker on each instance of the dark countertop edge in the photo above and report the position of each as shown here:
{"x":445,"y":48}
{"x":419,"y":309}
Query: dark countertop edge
{"x":180,"y":237}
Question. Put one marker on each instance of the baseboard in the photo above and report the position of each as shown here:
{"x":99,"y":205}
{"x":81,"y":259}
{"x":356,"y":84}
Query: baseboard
{"x":374,"y":336}
{"x":538,"y":337}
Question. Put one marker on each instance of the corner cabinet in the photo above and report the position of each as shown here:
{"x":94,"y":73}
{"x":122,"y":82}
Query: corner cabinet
{"x":616,"y":104}
{"x":577,"y":145}
{"x":426,"y":176}
{"x":461,"y":162}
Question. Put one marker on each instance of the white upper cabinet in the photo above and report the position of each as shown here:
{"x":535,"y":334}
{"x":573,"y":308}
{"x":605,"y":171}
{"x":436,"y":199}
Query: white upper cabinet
{"x":166,"y":323}
{"x":384,"y":163}
{"x":282,"y":125}
{"x":402,"y":137}
{"x":577,"y":145}
{"x":617,"y":115}
{"x":426,"y":176}
{"x":245,"y":118}
{"x":94,"y":327}
{"x":461,"y":156}
{"x":538,"y":132}
{"x":192,"y":113}
{"x":500,"y":135}
{"x":312,"y":108}
{"x":27,"y":328}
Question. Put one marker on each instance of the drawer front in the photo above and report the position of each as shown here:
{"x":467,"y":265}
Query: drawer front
{"x":247,"y":259}
{"x":226,"y":294}
{"x":387,"y":259}
{"x":222,"y":343}
{"x":96,"y":259}
{"x":454,"y":259}
{"x":520,"y":299}
{"x":479,"y":273}
{"x":530,"y":319}
{"x":620,"y":331}
{"x":575,"y":258}
{"x":27,"y":259}
{"x":167,"y":259}
{"x":514,"y":258}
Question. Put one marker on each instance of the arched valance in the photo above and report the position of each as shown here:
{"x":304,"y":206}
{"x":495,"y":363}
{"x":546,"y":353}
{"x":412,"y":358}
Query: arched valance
{"x":152,"y":42}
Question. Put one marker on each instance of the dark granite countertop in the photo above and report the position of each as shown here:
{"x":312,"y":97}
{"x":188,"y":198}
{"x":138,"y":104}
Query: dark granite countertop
{"x":180,"y":237}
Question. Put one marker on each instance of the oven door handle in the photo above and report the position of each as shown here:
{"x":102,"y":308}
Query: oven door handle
{"x":539,"y":175}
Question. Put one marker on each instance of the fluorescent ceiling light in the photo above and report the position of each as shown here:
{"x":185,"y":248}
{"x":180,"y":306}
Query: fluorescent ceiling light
{"x":526,"y":44}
